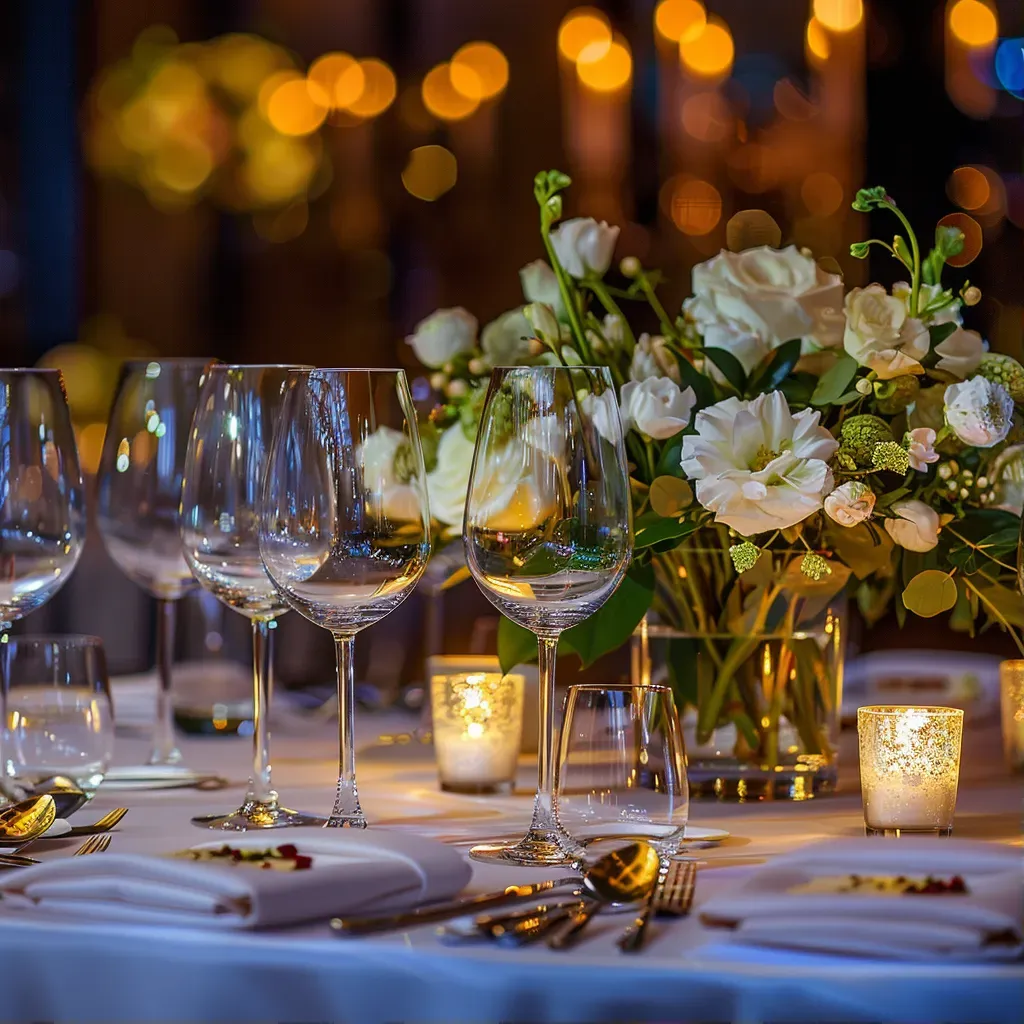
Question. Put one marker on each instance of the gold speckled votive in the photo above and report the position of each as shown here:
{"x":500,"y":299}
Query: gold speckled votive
{"x":909,"y":768}
{"x":1011,"y":687}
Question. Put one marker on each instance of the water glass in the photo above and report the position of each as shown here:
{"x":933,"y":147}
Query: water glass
{"x":58,"y":717}
{"x":621,"y":769}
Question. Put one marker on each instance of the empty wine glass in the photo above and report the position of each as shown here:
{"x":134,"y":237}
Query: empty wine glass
{"x":548,"y":535}
{"x":344,"y":520}
{"x":42,"y":501}
{"x":139,"y":494}
{"x":224,"y":468}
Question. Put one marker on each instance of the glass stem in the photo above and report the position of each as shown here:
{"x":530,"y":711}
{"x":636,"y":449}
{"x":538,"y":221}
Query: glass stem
{"x":164,"y":750}
{"x":346,"y":801}
{"x":260,"y":790}
{"x":7,"y":790}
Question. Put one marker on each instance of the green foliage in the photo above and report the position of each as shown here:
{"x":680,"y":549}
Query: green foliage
{"x":930,"y":593}
{"x":670,"y":496}
{"x":729,"y":367}
{"x":775,"y":368}
{"x":834,"y":381}
{"x":651,"y":528}
{"x":868,"y":199}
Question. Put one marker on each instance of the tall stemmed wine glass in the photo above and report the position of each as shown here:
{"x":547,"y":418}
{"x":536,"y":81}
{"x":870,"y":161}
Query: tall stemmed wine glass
{"x":344,"y":520}
{"x":42,"y":501}
{"x":139,"y":494}
{"x":548,"y":535}
{"x":224,"y":468}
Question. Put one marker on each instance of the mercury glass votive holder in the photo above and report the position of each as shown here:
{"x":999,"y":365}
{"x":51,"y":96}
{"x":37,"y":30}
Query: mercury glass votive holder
{"x":478,"y":726}
{"x":909,"y":768}
{"x":1011,"y":699}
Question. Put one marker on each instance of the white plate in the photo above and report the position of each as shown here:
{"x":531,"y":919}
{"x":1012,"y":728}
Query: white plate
{"x":705,"y":835}
{"x":157,"y":776}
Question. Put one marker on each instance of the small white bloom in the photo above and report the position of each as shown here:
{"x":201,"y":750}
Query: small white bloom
{"x":448,"y":482}
{"x":1008,"y":479}
{"x":960,"y":353}
{"x":917,"y":528}
{"x":512,"y":490}
{"x":979,"y":411}
{"x":443,"y":335}
{"x":506,"y":339}
{"x":602,"y":412}
{"x":850,"y":503}
{"x":758,"y":466}
{"x":928,"y":294}
{"x":880,"y":334}
{"x":922,"y":448}
{"x":656,"y":407}
{"x":541,"y":285}
{"x":652,"y":358}
{"x":543,"y":320}
{"x":399,"y":502}
{"x":584,"y":247}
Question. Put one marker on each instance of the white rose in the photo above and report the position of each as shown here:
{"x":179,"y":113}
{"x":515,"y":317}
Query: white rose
{"x":584,"y":247}
{"x":652,"y":358}
{"x":979,"y":411}
{"x":443,"y":335}
{"x":656,"y":407}
{"x":541,"y":285}
{"x":506,"y":339}
{"x":1007,"y":475}
{"x":398,"y":501}
{"x":758,"y":466}
{"x":850,"y":503}
{"x":751,"y":302}
{"x":543,"y":320}
{"x":448,"y":482}
{"x":880,"y":334}
{"x":610,"y":337}
{"x":960,"y":353}
{"x":928,"y":294}
{"x":917,"y":528}
{"x":921,"y":448}
{"x":602,"y":412}
{"x":512,"y":490}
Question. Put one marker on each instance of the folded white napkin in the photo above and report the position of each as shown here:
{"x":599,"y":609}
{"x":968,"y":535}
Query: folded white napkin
{"x":983,"y":924}
{"x":353,"y":871}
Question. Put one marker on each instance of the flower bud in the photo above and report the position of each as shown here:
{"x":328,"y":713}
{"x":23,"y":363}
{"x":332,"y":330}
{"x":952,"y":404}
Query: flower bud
{"x":477,"y":367}
{"x":438,"y":381}
{"x":863,"y":386}
{"x":457,"y":389}
{"x":630,"y":266}
{"x":971,"y":296}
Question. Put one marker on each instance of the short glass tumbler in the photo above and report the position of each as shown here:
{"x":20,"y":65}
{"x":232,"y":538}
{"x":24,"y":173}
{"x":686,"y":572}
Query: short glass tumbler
{"x":909,"y":768}
{"x":1011,"y":700}
{"x":58,"y":718}
{"x":621,"y":769}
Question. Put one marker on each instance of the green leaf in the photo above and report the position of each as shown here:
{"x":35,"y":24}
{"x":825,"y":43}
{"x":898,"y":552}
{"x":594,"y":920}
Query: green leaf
{"x":798,"y":389}
{"x":834,"y":381}
{"x":938,"y":333}
{"x":868,"y":198}
{"x":516,"y":645}
{"x":929,"y":593}
{"x":670,"y":496}
{"x":670,"y":461}
{"x":681,"y":656}
{"x":613,"y":623}
{"x":729,"y":366}
{"x":949,"y":240}
{"x":776,"y":367}
{"x":650,"y":529}
{"x":692,"y":378}
{"x":864,"y":548}
{"x":1002,"y":542}
{"x":903,"y":254}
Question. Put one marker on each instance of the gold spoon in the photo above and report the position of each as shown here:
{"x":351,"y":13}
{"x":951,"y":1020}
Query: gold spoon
{"x":66,"y":795}
{"x":27,"y":819}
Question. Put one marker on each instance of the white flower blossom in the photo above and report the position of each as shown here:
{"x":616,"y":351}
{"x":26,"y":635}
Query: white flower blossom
{"x":506,"y":339}
{"x":398,"y":501}
{"x":541,"y":285}
{"x":652,"y":358}
{"x":929,"y":293}
{"x":656,"y":407}
{"x":443,"y":335}
{"x":917,"y":525}
{"x":850,"y":503}
{"x":881,"y":336}
{"x":979,"y":412}
{"x":584,"y":247}
{"x":448,"y":482}
{"x":960,"y":353}
{"x":921,"y":448}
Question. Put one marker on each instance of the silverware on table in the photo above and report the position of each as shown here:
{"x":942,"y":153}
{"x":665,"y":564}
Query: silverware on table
{"x":94,"y":844}
{"x":14,"y":860}
{"x":27,"y":819}
{"x":104,"y":824}
{"x":671,"y":896}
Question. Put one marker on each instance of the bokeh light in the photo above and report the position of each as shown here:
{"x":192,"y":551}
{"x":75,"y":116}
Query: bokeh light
{"x":442,"y":99}
{"x":709,"y":53}
{"x":581,"y":28}
{"x":973,"y":22}
{"x":481,"y":67}
{"x":839,"y":15}
{"x":754,"y":167}
{"x":816,"y":41}
{"x":677,"y":20}
{"x":430,"y":172}
{"x":1009,"y":66}
{"x":973,"y":238}
{"x":968,"y":187}
{"x":605,"y":69}
{"x":696,"y":206}
{"x":707,"y":116}
{"x":339,"y":76}
{"x":822,"y":193}
{"x":379,"y":90}
{"x":298,"y":107}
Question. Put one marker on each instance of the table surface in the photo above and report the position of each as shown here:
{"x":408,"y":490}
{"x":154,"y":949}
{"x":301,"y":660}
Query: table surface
{"x":111,"y":972}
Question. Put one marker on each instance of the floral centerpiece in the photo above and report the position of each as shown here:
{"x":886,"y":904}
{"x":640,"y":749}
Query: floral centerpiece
{"x":790,"y":442}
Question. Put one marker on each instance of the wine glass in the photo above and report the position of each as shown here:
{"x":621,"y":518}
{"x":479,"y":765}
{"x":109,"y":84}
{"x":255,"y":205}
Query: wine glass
{"x":42,"y":501}
{"x":224,"y":467}
{"x":139,"y":494}
{"x":548,"y":535}
{"x":344,"y":520}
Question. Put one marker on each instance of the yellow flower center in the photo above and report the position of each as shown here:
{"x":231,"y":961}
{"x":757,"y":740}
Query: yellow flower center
{"x":763,"y":458}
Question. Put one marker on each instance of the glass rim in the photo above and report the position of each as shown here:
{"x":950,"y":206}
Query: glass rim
{"x":173,"y":361}
{"x":621,"y":687}
{"x":347,"y":369}
{"x":30,"y":369}
{"x":547,"y":369}
{"x":259,"y":366}
{"x":61,"y":639}
{"x":890,"y":710}
{"x":662,"y":632}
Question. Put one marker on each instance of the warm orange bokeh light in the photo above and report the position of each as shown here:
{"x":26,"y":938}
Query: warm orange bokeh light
{"x":709,"y":53}
{"x":707,"y":116}
{"x":605,"y":69}
{"x":973,"y":238}
{"x":839,"y":15}
{"x":696,"y":206}
{"x":378,"y":92}
{"x":479,"y":71}
{"x":441,"y":97}
{"x":817,"y":41}
{"x":430,"y":172}
{"x":677,"y":20}
{"x":581,"y":28}
{"x":297,"y":107}
{"x":822,"y":193}
{"x":270,"y":86}
{"x":968,"y":187}
{"x":330,"y":69}
{"x":973,"y":22}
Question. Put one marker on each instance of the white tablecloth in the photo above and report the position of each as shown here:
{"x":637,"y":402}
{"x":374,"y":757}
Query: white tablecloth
{"x":89,"y":972}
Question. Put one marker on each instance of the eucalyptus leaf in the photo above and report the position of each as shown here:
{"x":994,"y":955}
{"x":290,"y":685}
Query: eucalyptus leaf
{"x":651,"y":528}
{"x":670,"y":496}
{"x":776,"y":367}
{"x":670,"y":461}
{"x":930,"y":593}
{"x":864,"y":548}
{"x":834,"y":381}
{"x":729,"y":366}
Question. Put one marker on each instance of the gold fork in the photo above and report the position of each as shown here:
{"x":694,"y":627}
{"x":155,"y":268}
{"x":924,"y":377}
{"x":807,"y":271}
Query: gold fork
{"x":108,"y":821}
{"x":94,"y":844}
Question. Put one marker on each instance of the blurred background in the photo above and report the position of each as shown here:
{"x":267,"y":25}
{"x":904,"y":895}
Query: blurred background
{"x":303,"y":180}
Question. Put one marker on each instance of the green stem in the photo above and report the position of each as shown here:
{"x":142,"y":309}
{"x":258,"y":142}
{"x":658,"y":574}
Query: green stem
{"x":597,"y":286}
{"x":667,"y":327}
{"x":996,"y":612}
{"x":565,"y":290}
{"x":915,"y":284}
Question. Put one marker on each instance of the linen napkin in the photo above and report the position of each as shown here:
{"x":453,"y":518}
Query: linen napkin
{"x":985,"y":923}
{"x":353,"y":871}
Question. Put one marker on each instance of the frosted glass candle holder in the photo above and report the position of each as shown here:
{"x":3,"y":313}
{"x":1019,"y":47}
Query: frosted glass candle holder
{"x":909,"y":768}
{"x":1011,"y":691}
{"x":478,"y":726}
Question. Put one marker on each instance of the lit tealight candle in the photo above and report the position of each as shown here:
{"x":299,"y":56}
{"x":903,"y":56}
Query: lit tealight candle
{"x":909,"y":768}
{"x":478,"y":723}
{"x":1011,"y":686}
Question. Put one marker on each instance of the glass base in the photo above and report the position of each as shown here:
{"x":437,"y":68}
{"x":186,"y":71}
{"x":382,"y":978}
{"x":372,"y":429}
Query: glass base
{"x":173,"y":756}
{"x":345,"y":821}
{"x":537,"y":849}
{"x":896,"y":833}
{"x":254,"y":815}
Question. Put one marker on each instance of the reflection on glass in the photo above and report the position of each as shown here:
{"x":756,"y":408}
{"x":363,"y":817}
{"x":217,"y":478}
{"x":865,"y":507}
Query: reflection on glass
{"x":139,"y":494}
{"x":548,"y":534}
{"x":344,"y":522}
